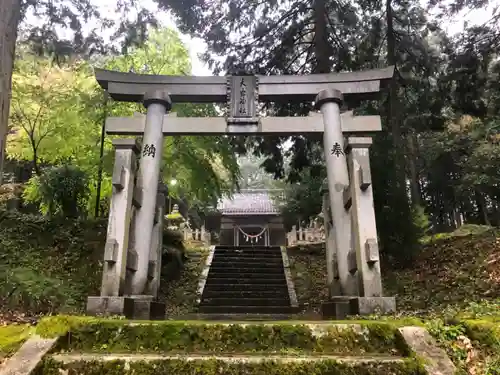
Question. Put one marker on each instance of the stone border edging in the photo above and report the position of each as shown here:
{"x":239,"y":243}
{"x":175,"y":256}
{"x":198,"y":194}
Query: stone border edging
{"x":289,"y":280}
{"x":69,"y":358}
{"x":204,"y":273}
{"x":436,"y":361}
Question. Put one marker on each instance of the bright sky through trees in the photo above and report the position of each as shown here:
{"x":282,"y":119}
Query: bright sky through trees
{"x":197,"y":46}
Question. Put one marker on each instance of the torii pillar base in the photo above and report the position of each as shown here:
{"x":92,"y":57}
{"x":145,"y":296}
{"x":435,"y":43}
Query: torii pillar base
{"x":132,"y":307}
{"x":372,"y":305}
{"x":343,"y":306}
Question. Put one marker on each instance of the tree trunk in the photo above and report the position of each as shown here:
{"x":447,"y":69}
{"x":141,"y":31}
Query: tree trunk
{"x":481,"y":205}
{"x":392,"y":104}
{"x":321,"y":45}
{"x":416,"y":196}
{"x":10,"y":15}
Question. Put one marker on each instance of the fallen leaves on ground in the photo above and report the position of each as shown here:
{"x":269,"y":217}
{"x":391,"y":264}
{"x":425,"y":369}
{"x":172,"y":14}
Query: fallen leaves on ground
{"x":452,"y":271}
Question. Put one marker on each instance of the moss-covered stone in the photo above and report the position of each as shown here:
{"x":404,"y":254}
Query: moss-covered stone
{"x":485,"y":332}
{"x":218,"y":367}
{"x":108,"y":335}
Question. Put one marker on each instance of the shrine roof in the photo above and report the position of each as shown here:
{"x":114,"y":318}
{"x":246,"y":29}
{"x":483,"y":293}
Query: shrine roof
{"x":249,"y":202}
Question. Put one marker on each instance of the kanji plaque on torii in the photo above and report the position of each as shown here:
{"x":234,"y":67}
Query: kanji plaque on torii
{"x":242,"y":97}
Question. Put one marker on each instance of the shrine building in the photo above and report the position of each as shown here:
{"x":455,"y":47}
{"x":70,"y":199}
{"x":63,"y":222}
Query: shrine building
{"x":251,"y":218}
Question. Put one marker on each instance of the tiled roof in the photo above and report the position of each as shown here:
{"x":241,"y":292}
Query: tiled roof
{"x":254,"y":202}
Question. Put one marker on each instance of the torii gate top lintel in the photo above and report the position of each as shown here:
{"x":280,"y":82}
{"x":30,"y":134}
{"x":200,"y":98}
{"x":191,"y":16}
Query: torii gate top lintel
{"x":131,"y":87}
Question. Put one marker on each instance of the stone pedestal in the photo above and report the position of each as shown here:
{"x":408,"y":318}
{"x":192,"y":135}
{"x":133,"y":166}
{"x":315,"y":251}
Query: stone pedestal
{"x":372,"y":305}
{"x":337,"y":308}
{"x":143,"y":308}
{"x":132,"y":307}
{"x":105,"y":305}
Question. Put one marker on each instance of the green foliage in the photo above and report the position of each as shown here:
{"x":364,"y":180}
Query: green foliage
{"x":59,"y":191}
{"x":420,"y":221}
{"x":27,"y":289}
{"x":253,"y":175}
{"x":473,"y":345}
{"x":302,"y":201}
{"x":53,"y":265}
{"x":464,"y":230}
{"x":55,"y":113}
{"x":308,"y":267}
{"x":48,"y":265}
{"x":214,"y":367}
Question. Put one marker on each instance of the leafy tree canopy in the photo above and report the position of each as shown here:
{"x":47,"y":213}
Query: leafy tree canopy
{"x":57,"y":112}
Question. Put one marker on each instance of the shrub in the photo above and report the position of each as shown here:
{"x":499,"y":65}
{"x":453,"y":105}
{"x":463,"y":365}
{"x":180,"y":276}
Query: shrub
{"x":59,"y":191}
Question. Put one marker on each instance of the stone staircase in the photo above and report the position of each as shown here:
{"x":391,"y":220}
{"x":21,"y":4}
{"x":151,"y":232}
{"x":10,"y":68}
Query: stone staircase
{"x":248,"y":281}
{"x":89,"y":346}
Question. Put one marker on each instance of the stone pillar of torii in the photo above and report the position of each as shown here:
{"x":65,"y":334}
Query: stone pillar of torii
{"x":132,"y":260}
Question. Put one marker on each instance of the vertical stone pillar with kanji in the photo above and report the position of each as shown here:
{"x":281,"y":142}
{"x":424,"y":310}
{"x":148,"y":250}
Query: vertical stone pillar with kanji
{"x":141,"y":304}
{"x":157,"y":104}
{"x":364,"y":231}
{"x":328,"y":101}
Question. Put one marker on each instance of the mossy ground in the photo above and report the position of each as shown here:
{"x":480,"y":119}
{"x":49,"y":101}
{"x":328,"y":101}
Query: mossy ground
{"x":12,"y":337}
{"x":85,"y":334}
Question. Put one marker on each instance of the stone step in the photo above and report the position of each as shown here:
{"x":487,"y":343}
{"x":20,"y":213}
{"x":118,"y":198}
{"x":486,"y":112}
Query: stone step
{"x":229,"y":274}
{"x":248,"y":247}
{"x":244,"y":287}
{"x":215,"y":268}
{"x":258,"y":253}
{"x":239,"y":317}
{"x":281,"y":293}
{"x":247,"y":262}
{"x":206,"y":301}
{"x":211,"y":280}
{"x":67,"y":358}
{"x":246,"y":259}
{"x":246,"y":309}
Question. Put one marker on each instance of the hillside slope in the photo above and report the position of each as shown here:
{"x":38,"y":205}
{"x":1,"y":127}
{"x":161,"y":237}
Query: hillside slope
{"x":50,"y":266}
{"x":448,"y":272}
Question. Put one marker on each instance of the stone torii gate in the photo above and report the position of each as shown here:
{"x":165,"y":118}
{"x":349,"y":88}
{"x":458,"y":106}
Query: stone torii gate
{"x":132,"y":261}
